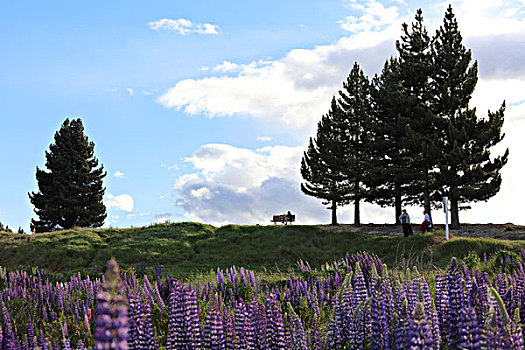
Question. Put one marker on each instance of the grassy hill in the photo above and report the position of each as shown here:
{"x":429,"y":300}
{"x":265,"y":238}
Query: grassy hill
{"x":185,"y":249}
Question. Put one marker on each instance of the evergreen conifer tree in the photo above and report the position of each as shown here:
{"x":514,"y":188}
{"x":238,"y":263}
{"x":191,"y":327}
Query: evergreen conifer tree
{"x":322,"y":165}
{"x":466,"y":172}
{"x":71,"y":191}
{"x":422,"y":131}
{"x":355,"y":102}
{"x":390,"y":172}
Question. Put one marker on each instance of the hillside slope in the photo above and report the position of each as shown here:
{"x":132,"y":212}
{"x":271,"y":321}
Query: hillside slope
{"x":187,"y":248}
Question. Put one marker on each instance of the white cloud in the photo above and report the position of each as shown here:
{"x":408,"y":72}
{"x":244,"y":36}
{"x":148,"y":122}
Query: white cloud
{"x":130,"y":91}
{"x":236,"y":185}
{"x":374,"y":18}
{"x":203,"y":192}
{"x":488,"y":17}
{"x":161,"y":218}
{"x":184,"y":26}
{"x":119,"y":174}
{"x":295,"y":90}
{"x":264,"y":138}
{"x":226,"y":67}
{"x":122,"y":201}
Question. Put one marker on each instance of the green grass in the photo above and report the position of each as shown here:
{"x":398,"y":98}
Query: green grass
{"x":190,"y":249}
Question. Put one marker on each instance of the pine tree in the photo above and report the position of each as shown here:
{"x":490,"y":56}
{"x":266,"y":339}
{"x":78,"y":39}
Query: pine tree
{"x":422,"y":131}
{"x":71,"y":191}
{"x":355,"y":102}
{"x":466,"y":172}
{"x":390,"y":169}
{"x":322,"y":165}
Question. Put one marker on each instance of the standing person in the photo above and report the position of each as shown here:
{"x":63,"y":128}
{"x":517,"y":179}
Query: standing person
{"x":427,"y":223}
{"x":405,"y":221}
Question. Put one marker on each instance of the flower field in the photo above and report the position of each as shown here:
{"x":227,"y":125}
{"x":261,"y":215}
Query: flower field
{"x":353,"y":303}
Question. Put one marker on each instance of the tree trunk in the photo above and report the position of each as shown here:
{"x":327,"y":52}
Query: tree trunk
{"x":357,"y":219}
{"x":454,"y":214}
{"x":397,"y":202}
{"x":334,"y":213}
{"x":426,"y":194}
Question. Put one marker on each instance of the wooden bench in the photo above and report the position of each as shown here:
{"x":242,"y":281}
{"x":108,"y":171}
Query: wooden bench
{"x":280,"y":218}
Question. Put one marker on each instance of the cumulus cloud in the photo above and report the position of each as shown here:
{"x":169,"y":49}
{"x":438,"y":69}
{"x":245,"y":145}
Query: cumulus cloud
{"x":122,"y":201}
{"x":119,"y":174}
{"x":226,"y":67}
{"x":264,"y":138}
{"x":296,"y":89}
{"x":184,"y":26}
{"x":160,"y":218}
{"x":374,"y":17}
{"x":242,"y":186}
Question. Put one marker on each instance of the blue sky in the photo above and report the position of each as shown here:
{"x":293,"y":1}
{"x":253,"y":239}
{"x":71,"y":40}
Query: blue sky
{"x":201,"y":110}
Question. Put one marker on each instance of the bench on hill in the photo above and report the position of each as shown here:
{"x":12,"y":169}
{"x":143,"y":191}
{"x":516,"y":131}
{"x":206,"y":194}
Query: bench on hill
{"x":280,"y":218}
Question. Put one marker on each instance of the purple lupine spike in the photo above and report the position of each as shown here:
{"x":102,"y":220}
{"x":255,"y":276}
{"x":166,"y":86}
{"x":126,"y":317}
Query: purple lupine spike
{"x":297,"y":332}
{"x":8,"y":337}
{"x":214,"y":338}
{"x":470,"y":334}
{"x":240,"y":324}
{"x":112,"y":319}
{"x":249,"y":327}
{"x":275,"y":325}
{"x":80,"y":345}
{"x":147,"y":339}
{"x":193,"y":326}
{"x":419,"y":331}
{"x":229,"y":330}
{"x":30,"y":336}
{"x":176,"y":331}
{"x":402,"y":338}
{"x":455,"y":293}
{"x":380,"y":327}
{"x":65,"y":344}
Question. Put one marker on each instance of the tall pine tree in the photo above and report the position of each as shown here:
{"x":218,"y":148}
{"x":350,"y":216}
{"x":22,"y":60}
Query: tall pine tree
{"x":356,"y":104}
{"x":391,"y":174}
{"x":422,"y":131}
{"x":466,"y":172}
{"x":322,"y":166}
{"x":70,"y":192}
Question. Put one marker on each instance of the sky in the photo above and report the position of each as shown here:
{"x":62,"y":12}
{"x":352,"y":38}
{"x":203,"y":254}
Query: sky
{"x":201,"y":110}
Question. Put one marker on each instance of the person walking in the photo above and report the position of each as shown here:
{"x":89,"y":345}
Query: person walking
{"x":405,"y":221}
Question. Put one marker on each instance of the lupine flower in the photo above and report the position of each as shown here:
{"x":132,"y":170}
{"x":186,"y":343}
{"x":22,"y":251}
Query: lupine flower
{"x":419,"y":331}
{"x":112,"y":320}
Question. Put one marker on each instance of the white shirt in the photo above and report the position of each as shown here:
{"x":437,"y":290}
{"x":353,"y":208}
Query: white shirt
{"x":427,"y":218}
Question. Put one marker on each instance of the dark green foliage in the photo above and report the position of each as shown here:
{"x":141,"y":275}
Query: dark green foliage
{"x":322,"y":166}
{"x":356,"y":105}
{"x":391,"y":173}
{"x":466,"y":171}
{"x":422,"y":126}
{"x":71,"y":191}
